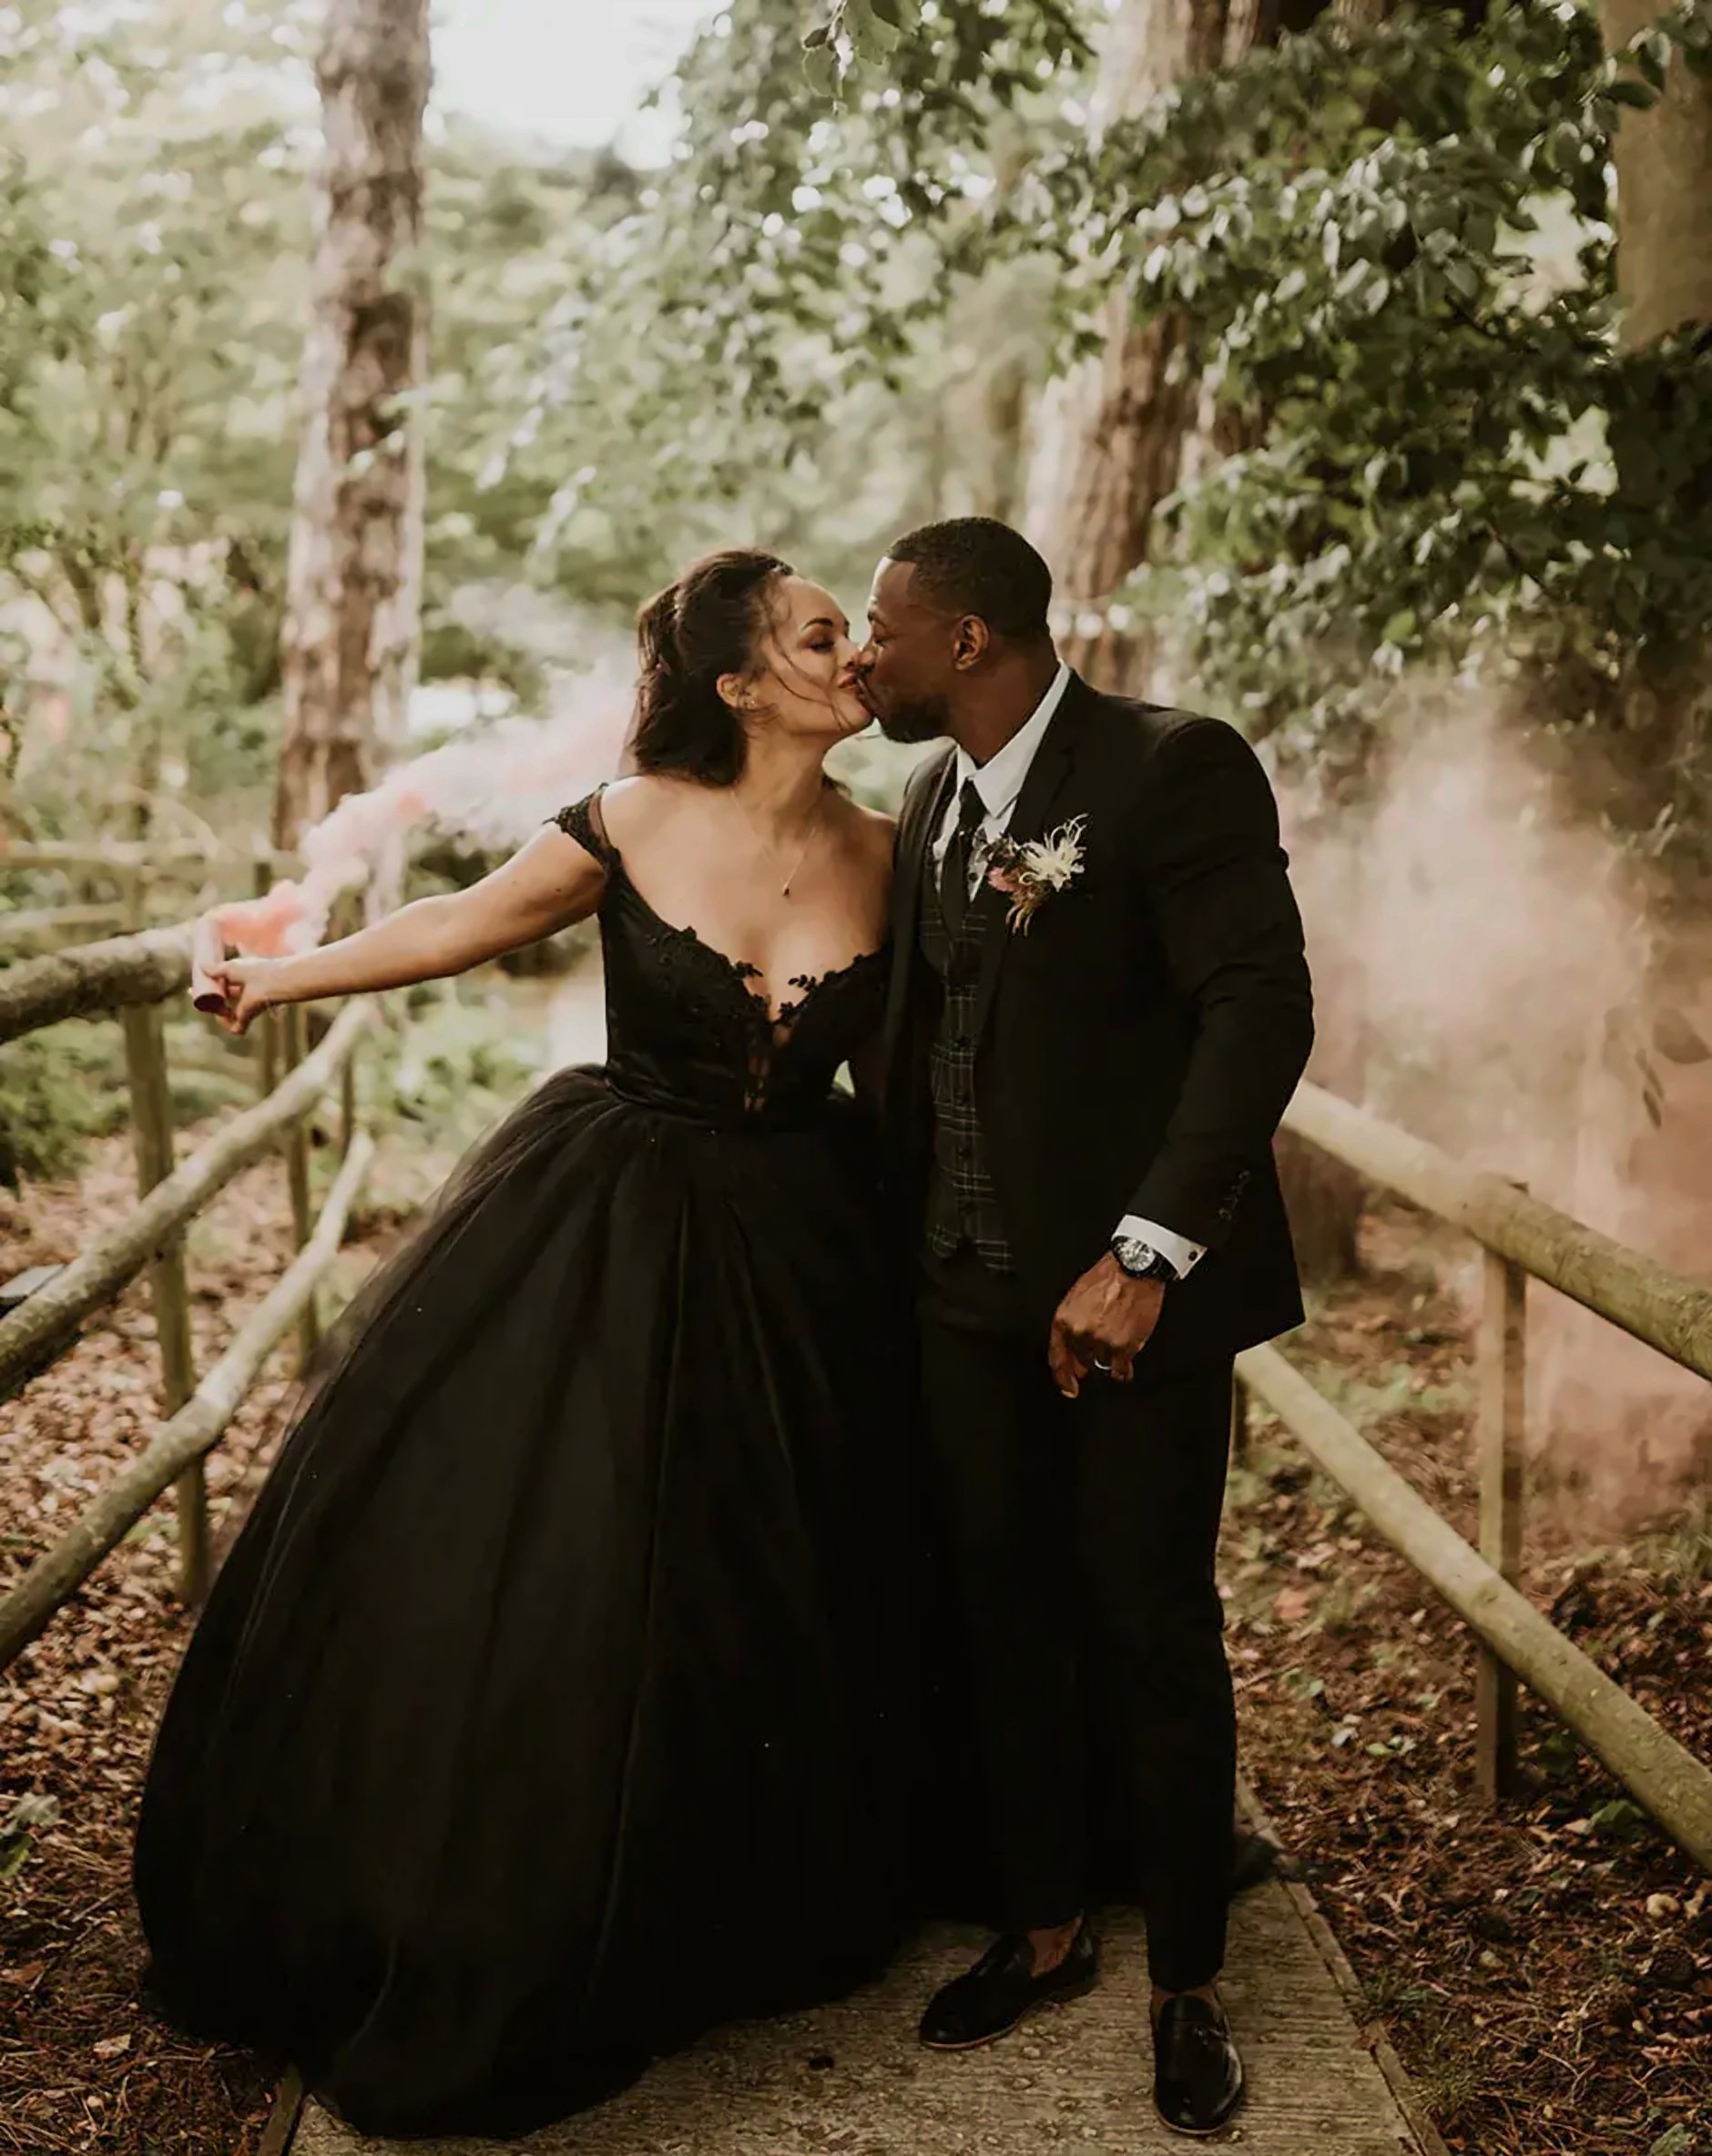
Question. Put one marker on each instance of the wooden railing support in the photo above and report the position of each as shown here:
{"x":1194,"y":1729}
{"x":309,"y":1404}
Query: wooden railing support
{"x":1241,"y":1422}
{"x":26,"y":926}
{"x":188,"y":1436}
{"x":94,"y":977}
{"x":291,"y":1031}
{"x":1665,"y":1310}
{"x":1500,"y":1438}
{"x":93,"y":1279}
{"x":122,"y":858}
{"x":266,"y":1029}
{"x":1661,"y":1775}
{"x":152,"y":1139}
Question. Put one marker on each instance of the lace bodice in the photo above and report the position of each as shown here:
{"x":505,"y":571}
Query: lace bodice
{"x":685,"y":1029}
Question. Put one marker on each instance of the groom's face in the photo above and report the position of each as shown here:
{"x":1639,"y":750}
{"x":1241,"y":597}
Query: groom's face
{"x":905,"y":670}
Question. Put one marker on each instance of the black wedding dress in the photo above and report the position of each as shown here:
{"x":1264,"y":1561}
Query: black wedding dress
{"x":553,"y":1704}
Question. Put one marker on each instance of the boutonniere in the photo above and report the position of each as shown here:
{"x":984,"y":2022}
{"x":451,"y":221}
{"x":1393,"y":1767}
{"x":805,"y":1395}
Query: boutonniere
{"x":1029,"y":873}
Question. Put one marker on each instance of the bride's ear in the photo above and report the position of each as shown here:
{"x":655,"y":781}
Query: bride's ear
{"x":737,"y":691}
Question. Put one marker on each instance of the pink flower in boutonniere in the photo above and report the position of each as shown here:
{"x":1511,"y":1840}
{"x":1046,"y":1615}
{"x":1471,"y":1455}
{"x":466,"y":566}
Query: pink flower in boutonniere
{"x":1029,"y":873}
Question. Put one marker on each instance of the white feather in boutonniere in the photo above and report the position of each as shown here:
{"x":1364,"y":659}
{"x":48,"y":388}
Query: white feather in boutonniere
{"x":1030,"y":871}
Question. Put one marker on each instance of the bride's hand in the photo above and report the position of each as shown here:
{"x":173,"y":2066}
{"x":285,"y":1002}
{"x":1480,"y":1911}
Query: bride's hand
{"x":244,"y":981}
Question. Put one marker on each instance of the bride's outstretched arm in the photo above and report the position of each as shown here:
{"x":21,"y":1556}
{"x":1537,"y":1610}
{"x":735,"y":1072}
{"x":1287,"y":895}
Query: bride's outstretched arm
{"x":548,"y":885}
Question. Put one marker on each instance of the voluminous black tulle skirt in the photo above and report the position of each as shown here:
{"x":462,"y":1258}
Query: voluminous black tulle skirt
{"x":554,"y":1704}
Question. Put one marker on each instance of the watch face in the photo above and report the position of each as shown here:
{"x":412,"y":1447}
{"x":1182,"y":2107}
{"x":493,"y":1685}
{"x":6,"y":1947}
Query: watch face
{"x":1140,"y":1259}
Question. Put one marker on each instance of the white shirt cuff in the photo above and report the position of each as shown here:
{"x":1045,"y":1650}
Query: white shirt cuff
{"x":1183,"y":1255}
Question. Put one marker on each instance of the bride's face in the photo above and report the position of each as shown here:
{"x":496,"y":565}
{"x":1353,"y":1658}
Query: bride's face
{"x":805,"y":677}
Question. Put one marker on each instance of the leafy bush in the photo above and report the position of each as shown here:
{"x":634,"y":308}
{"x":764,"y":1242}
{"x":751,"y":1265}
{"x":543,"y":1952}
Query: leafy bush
{"x":58,"y":1089}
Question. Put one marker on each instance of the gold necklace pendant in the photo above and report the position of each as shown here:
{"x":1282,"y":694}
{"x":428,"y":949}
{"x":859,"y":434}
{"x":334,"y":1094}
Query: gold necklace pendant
{"x":767,"y":846}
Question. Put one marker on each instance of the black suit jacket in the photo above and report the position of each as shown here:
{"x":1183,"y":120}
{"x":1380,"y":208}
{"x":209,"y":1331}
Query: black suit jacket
{"x":1138,"y":1045}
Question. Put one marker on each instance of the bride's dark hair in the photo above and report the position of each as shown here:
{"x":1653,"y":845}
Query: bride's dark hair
{"x":707,"y":624}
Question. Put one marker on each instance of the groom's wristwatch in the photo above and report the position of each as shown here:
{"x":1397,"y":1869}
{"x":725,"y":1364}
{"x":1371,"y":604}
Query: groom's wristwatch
{"x":1141,"y":1261}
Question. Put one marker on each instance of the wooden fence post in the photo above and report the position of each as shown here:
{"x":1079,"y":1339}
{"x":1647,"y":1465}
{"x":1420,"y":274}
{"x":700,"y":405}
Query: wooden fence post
{"x":292,"y":1034}
{"x":151,"y":1136}
{"x":347,"y":919}
{"x":1241,"y":1421}
{"x":266,"y":1027}
{"x":1501,"y":1439}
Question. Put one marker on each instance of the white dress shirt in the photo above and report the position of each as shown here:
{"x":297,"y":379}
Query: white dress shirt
{"x":999,"y":781}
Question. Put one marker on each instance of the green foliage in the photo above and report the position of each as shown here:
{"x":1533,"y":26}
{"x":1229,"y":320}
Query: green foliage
{"x":726,"y":356}
{"x":56,"y":1093}
{"x":1448,"y":443}
{"x":155,"y":241}
{"x":459,"y":1067}
{"x":26,"y":1816}
{"x":1388,"y":251}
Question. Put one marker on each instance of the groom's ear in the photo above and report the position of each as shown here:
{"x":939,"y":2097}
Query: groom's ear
{"x":971,"y":642}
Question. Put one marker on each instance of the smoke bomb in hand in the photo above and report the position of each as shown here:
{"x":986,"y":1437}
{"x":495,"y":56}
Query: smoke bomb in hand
{"x":208,"y":955}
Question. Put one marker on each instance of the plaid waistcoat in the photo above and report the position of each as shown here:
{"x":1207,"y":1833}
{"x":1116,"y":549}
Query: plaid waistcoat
{"x":962,"y":1205}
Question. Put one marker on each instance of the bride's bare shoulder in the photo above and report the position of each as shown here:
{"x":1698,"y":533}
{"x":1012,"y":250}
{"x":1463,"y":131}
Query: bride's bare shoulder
{"x":635,"y":809}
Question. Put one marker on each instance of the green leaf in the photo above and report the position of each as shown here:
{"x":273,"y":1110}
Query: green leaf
{"x":873,"y":38}
{"x":29,"y":1815}
{"x":1619,"y":1821}
{"x":821,"y":35}
{"x":904,"y":15}
{"x":819,"y":63}
{"x":1626,"y":90}
{"x":1462,"y":278}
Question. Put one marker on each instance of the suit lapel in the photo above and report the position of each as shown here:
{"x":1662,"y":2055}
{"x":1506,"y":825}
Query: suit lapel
{"x":915,"y":833}
{"x":1029,"y":819}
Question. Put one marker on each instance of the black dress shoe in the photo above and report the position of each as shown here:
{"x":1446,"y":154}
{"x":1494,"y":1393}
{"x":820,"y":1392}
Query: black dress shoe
{"x":1002,"y":1987}
{"x":1196,"y":2072}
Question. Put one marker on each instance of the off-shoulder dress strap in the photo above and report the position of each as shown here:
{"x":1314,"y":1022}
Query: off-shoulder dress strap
{"x":584,"y":822}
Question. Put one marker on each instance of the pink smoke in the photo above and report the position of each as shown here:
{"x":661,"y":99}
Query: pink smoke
{"x":494,"y":788}
{"x":1487,"y":971}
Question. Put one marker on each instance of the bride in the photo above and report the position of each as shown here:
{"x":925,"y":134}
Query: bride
{"x":552,"y":1706}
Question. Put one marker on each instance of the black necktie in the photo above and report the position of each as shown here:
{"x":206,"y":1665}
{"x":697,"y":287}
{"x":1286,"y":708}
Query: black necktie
{"x":953,"y":870}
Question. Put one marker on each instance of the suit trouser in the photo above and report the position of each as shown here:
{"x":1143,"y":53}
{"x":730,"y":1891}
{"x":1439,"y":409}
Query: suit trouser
{"x":1082,"y":1536}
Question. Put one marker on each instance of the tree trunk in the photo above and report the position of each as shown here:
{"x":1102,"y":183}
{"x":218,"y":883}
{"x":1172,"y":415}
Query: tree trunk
{"x":1640,"y":1169}
{"x":1109,"y":441}
{"x":1664,"y":166}
{"x":1663,"y":159}
{"x":352,"y":614}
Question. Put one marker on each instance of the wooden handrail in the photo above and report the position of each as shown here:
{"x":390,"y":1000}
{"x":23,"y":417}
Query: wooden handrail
{"x":93,"y":1279}
{"x":1665,"y":1310}
{"x":49,"y":921}
{"x":91,"y":977}
{"x":125,"y":858}
{"x":1662,"y":1775}
{"x":195,"y":1430}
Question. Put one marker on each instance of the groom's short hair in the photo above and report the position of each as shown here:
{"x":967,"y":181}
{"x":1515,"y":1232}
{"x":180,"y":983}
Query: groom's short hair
{"x":975,"y":565}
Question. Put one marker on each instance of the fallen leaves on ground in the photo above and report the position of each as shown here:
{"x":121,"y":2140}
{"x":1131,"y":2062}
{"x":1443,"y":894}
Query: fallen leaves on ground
{"x":1544,"y":1970}
{"x":82,"y":2066}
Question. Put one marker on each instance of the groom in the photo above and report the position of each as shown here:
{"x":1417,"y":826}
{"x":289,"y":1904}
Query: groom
{"x":1099,"y":1011}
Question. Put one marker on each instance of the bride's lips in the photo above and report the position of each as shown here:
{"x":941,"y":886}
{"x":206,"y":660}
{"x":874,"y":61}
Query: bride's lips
{"x":862,"y":711}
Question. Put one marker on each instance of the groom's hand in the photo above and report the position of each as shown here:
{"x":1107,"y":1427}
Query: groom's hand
{"x":1107,"y":1318}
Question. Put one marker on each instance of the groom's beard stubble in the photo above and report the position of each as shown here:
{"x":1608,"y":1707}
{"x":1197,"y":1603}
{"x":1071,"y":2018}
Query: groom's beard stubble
{"x":926,"y":719}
